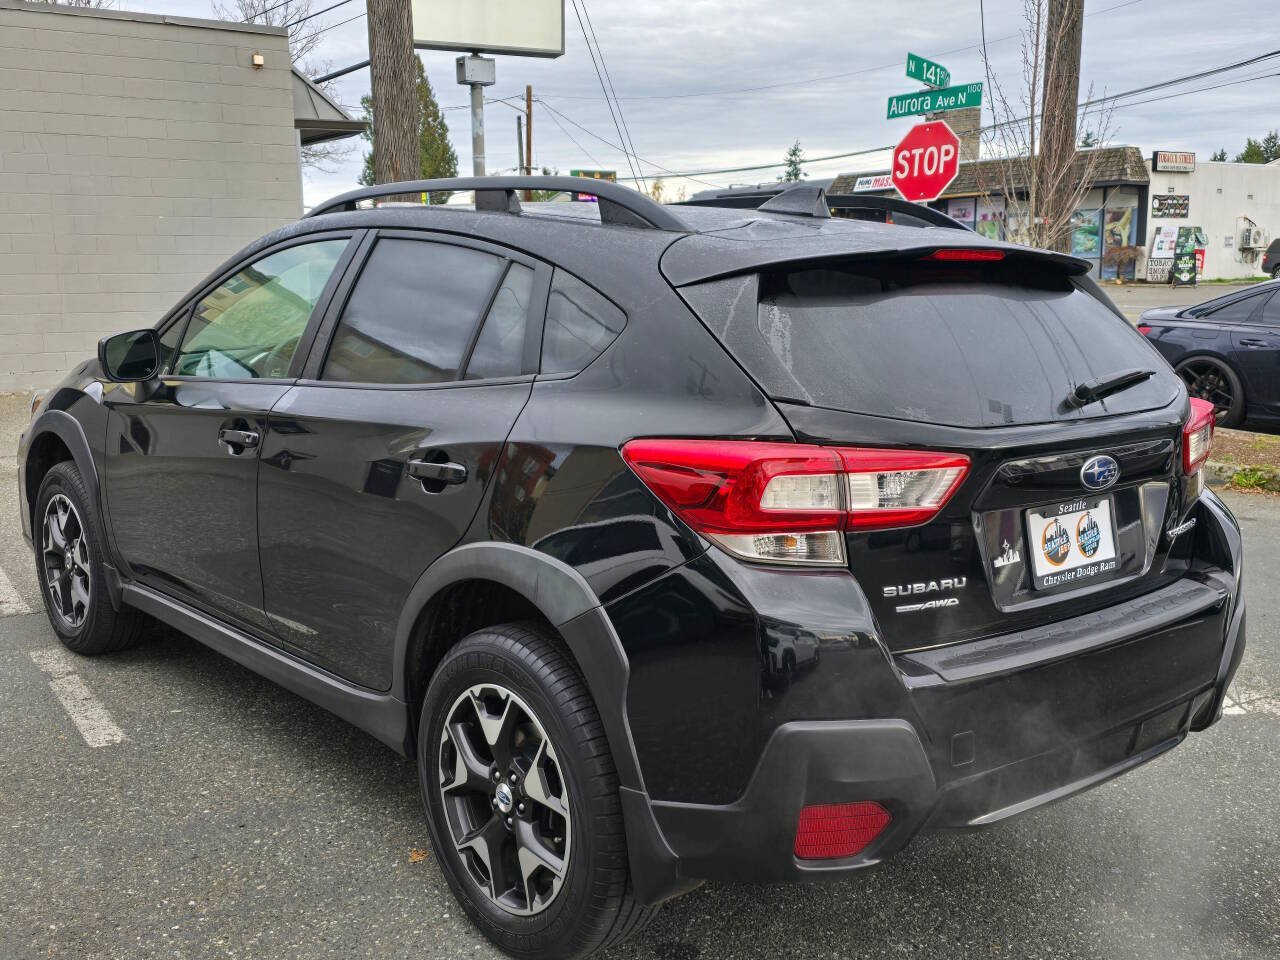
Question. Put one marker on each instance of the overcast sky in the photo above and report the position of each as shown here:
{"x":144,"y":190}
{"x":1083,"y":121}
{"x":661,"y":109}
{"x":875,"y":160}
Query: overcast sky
{"x":681,"y":66}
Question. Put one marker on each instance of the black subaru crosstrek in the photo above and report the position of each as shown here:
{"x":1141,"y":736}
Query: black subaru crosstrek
{"x":674,"y":543}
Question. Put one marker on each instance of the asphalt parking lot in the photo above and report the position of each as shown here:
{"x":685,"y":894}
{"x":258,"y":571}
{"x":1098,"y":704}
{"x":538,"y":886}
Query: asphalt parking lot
{"x":219,"y":815}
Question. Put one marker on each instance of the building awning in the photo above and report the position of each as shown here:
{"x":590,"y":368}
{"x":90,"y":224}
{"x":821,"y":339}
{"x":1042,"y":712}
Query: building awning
{"x":316,"y":117}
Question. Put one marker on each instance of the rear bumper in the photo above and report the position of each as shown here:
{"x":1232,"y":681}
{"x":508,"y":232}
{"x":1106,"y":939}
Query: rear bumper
{"x":988,"y":730}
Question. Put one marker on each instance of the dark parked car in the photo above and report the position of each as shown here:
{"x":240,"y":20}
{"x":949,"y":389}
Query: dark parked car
{"x":1271,"y":260}
{"x":1227,"y":350}
{"x":673,"y":544}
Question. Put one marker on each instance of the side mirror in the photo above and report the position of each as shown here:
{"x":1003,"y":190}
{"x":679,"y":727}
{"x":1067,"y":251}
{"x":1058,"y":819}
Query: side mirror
{"x":131,"y":357}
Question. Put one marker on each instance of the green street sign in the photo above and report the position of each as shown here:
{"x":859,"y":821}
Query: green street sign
{"x":927,"y":72}
{"x":935,"y":101}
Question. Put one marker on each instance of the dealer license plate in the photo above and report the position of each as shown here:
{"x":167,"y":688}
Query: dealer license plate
{"x":1071,"y":542}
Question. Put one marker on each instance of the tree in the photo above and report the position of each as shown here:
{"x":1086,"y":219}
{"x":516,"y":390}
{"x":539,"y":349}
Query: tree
{"x":657,"y":189}
{"x":304,"y":38}
{"x":1260,"y":151}
{"x":436,"y":158}
{"x":1219,"y":155}
{"x":1042,"y":181}
{"x":794,"y":172}
{"x":1088,"y":139}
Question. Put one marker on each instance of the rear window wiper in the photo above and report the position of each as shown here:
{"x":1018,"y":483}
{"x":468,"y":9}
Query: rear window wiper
{"x":1092,"y":391}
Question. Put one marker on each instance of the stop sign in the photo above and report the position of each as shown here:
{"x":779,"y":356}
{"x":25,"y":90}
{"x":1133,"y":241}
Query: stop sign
{"x":926,"y":161}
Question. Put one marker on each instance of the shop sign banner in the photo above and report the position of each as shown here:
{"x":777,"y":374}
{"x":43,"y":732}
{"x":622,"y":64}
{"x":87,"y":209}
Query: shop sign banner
{"x":879,"y":181}
{"x":1170,"y":206}
{"x":1187,"y":259}
{"x":991,"y":217}
{"x":1084,"y":232}
{"x":1171,"y":161}
{"x":961,"y":210}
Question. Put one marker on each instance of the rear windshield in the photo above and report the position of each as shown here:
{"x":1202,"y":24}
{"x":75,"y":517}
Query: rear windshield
{"x":937,"y":346}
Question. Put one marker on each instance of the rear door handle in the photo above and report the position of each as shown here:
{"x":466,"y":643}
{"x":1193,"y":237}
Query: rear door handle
{"x":442,"y":472}
{"x":238,"y":438}
{"x":1252,"y":342}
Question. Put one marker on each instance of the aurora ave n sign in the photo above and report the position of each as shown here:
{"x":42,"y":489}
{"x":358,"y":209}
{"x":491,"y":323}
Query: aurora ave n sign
{"x":530,"y":28}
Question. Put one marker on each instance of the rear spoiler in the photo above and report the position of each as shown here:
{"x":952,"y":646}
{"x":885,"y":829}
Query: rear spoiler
{"x":890,"y":210}
{"x":701,"y":257}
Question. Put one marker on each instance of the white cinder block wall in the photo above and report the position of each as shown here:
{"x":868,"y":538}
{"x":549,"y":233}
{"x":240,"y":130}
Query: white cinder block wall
{"x":137,"y":152}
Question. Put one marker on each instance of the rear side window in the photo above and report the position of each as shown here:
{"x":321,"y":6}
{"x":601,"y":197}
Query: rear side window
{"x":1237,"y":311}
{"x":413,"y":313}
{"x":929,"y":346}
{"x":580,"y":325}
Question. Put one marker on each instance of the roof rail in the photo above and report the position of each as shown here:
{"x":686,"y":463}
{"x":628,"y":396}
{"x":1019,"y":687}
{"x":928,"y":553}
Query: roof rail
{"x":619,"y":205}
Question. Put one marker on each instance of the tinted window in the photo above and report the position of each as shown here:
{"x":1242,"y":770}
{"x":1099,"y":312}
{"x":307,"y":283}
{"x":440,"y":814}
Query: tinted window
{"x":500,"y":350}
{"x":412,"y":314}
{"x":1238,"y":311}
{"x":914,"y":346}
{"x":1271,"y":311}
{"x":580,"y":324}
{"x":250,"y":326}
{"x":169,"y":341}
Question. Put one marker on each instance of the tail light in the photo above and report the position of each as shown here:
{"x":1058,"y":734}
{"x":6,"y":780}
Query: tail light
{"x":966,"y":255}
{"x":789,"y":502}
{"x":830,"y":831}
{"x":1197,"y":436}
{"x":1144,"y":329}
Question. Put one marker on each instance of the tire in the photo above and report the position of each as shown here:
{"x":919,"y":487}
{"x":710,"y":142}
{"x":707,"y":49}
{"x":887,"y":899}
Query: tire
{"x":1275,"y":274}
{"x":1210,"y":379}
{"x":519,"y":672}
{"x":77,"y":602}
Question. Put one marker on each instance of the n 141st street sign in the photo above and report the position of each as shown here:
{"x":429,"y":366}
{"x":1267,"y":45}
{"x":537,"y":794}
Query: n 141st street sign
{"x":935,"y":101}
{"x":926,"y":161}
{"x":927,"y":72}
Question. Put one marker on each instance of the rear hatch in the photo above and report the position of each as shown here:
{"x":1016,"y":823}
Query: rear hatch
{"x":977,"y":357}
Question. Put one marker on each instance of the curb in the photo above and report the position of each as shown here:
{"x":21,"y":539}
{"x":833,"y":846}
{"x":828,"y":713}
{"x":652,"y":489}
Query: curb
{"x":1220,"y":474}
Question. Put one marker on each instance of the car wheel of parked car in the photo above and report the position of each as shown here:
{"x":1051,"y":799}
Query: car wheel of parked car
{"x":522,"y":797}
{"x":1275,"y":274}
{"x":70,"y":568}
{"x":1210,"y":379}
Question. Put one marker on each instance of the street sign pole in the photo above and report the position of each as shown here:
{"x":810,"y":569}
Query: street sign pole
{"x":477,"y":72}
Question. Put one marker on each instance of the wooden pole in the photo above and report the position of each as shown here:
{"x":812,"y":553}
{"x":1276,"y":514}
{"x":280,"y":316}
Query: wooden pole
{"x":392,"y":87}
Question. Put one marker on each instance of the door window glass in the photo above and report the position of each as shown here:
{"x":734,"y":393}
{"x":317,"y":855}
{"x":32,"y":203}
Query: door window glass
{"x":580,"y":324}
{"x":1271,"y":311}
{"x":250,"y":326}
{"x":412,"y":314}
{"x":500,"y":350}
{"x":1238,"y":311}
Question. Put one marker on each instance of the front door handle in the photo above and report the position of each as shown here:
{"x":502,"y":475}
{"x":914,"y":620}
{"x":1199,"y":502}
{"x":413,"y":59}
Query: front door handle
{"x":440,"y":472}
{"x":1252,"y":342}
{"x":238,"y":438}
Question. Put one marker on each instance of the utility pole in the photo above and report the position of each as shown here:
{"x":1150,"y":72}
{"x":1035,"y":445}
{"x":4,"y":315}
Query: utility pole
{"x":528,"y":136}
{"x":1063,"y":37}
{"x":392,"y":89}
{"x":520,"y":145}
{"x":477,"y":72}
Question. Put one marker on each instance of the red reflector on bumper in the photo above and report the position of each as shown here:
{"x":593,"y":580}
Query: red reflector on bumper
{"x":829,"y":831}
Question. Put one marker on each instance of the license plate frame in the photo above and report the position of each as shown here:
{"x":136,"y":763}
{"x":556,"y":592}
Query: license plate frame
{"x":1083,"y":523}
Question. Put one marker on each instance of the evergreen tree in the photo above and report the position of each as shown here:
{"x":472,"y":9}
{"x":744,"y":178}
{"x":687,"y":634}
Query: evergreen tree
{"x":793,"y":173}
{"x":437,"y":157}
{"x":1260,"y":151}
{"x":1219,"y":155}
{"x":1088,"y":139}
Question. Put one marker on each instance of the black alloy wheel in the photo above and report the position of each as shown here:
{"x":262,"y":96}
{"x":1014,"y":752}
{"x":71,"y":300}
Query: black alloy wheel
{"x":1210,"y":379}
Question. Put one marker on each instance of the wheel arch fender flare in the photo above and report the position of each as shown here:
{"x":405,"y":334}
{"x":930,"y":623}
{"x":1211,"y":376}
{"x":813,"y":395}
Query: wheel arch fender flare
{"x":67,"y":429}
{"x":561,"y":594}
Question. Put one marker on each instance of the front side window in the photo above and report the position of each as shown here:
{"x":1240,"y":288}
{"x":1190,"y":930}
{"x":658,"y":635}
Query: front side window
{"x":249,"y":327}
{"x":413,"y":313}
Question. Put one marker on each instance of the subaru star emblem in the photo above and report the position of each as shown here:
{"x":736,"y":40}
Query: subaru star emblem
{"x":1098,"y":473}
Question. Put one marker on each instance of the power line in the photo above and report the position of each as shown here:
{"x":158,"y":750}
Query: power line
{"x":657,"y":166}
{"x":312,"y":16}
{"x":897,"y":64}
{"x":989,"y":128}
{"x":607,"y":101}
{"x":572,"y":139}
{"x":263,"y":13}
{"x":342,"y":23}
{"x":630,"y":141}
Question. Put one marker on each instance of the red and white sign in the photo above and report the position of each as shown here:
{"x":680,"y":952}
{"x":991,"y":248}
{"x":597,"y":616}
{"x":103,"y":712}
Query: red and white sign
{"x":926,"y":161}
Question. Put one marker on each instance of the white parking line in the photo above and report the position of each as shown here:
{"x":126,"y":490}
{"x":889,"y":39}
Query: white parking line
{"x":85,"y":710}
{"x":1243,"y":698}
{"x":11,"y":604}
